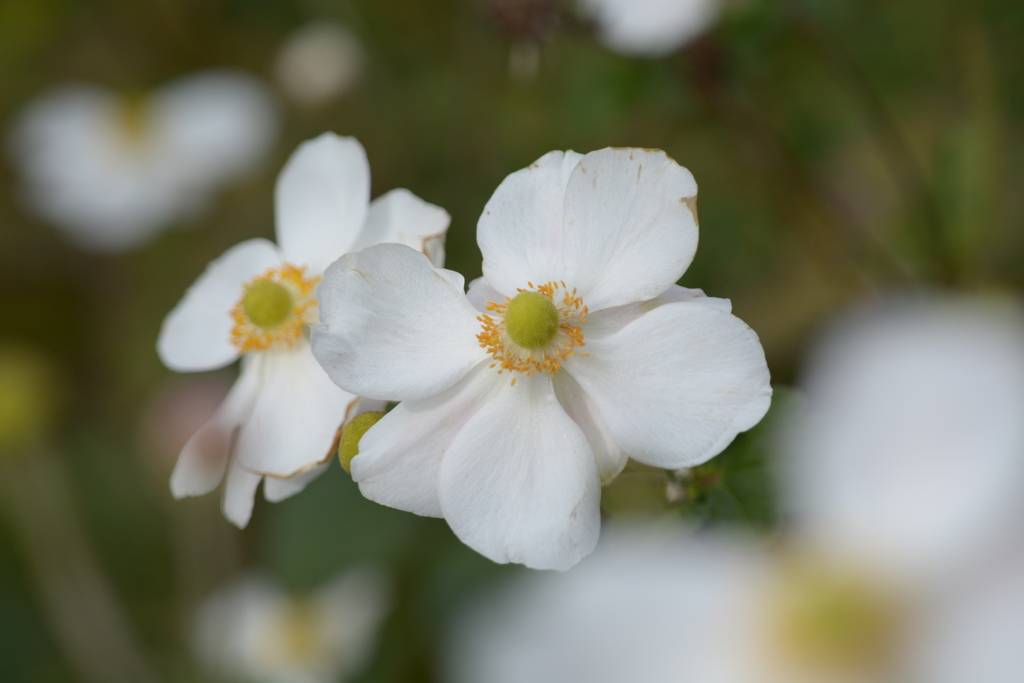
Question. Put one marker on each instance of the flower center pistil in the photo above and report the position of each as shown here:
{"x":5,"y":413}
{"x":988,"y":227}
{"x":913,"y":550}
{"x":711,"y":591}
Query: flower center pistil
{"x":267,"y":303}
{"x":274,"y":309}
{"x":536,"y":330}
{"x":531,"y":320}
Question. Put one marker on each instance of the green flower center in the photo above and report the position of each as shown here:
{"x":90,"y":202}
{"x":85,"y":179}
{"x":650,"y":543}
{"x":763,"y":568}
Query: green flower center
{"x":531,"y":320}
{"x":267,"y":303}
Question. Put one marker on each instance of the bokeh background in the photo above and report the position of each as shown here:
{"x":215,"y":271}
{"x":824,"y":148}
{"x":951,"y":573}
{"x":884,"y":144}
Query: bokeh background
{"x":843,"y":148}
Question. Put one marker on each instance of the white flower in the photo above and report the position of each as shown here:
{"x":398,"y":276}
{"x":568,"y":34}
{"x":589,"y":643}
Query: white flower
{"x":650,"y":28}
{"x":318,"y":63}
{"x":903,"y":560}
{"x":653,"y":608}
{"x":257,"y":301}
{"x":112,"y":171}
{"x":911,"y":450}
{"x":575,"y":350}
{"x":647,"y":607}
{"x":251,"y":631}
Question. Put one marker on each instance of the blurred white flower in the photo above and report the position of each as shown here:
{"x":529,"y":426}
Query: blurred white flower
{"x":575,"y":349}
{"x":318,"y":63}
{"x":911,"y":450}
{"x":716,"y":609}
{"x":647,"y":606}
{"x":111,"y":170}
{"x":251,"y":631}
{"x":650,"y":28}
{"x":904,"y":561}
{"x":257,"y":301}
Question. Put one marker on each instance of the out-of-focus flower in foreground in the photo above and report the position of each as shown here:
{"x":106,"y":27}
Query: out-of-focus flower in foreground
{"x":257,"y":301}
{"x":910,"y":452}
{"x":904,"y":561}
{"x":252,"y":631}
{"x":111,"y":171}
{"x":650,"y":28}
{"x":575,"y":350}
{"x":318,"y":63}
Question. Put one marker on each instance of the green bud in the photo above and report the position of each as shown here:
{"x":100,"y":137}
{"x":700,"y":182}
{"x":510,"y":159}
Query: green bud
{"x":531,"y":320}
{"x":352,"y":433}
{"x":267,"y":303}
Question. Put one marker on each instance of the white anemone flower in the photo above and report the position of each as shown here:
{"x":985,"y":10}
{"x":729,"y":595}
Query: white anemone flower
{"x":650,"y":28}
{"x":256,"y":301}
{"x":575,"y":351}
{"x":252,"y":631}
{"x":111,"y":171}
{"x":910,"y":452}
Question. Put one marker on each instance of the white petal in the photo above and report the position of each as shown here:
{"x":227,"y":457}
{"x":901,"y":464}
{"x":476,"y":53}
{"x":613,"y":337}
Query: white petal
{"x":296,"y":418}
{"x":677,"y":385}
{"x":910,"y":451}
{"x":393,"y":327}
{"x":610,"y":459}
{"x":349,"y":610}
{"x":974,"y":631}
{"x":608,"y":321}
{"x":630,"y":230}
{"x":239,"y":494}
{"x":276,"y":489}
{"x":321,"y":200}
{"x":402,"y":217}
{"x":205,"y":456}
{"x":215,"y":125}
{"x":196,"y":334}
{"x":520,"y":230}
{"x":481,"y":293}
{"x":644,"y":608}
{"x":399,"y":459}
{"x":519,"y":483}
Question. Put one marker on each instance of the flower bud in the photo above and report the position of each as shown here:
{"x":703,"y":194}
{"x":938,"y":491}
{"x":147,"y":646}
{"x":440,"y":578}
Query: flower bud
{"x":352,"y":433}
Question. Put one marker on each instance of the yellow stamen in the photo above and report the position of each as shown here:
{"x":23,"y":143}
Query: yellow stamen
{"x":274,"y":309}
{"x":536,"y":331}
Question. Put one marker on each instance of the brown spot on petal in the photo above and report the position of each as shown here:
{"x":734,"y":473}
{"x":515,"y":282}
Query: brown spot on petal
{"x":691,"y":204}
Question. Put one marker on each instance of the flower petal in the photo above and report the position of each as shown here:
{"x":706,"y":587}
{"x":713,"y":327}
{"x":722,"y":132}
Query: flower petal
{"x":321,"y":200}
{"x":402,"y":217}
{"x":400,"y":457}
{"x":675,"y":386}
{"x":630,"y":227}
{"x":519,"y":483}
{"x":481,"y":293}
{"x":393,"y":327}
{"x":296,"y":417}
{"x":610,"y":459}
{"x":608,"y":321}
{"x":202,"y":462}
{"x":276,"y":489}
{"x":196,"y":334}
{"x":900,"y":397}
{"x":239,"y":494}
{"x":214,"y":125}
{"x":520,"y":230}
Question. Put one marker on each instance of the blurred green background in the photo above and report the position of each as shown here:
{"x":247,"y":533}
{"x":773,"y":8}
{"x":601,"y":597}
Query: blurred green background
{"x":843,"y":148}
